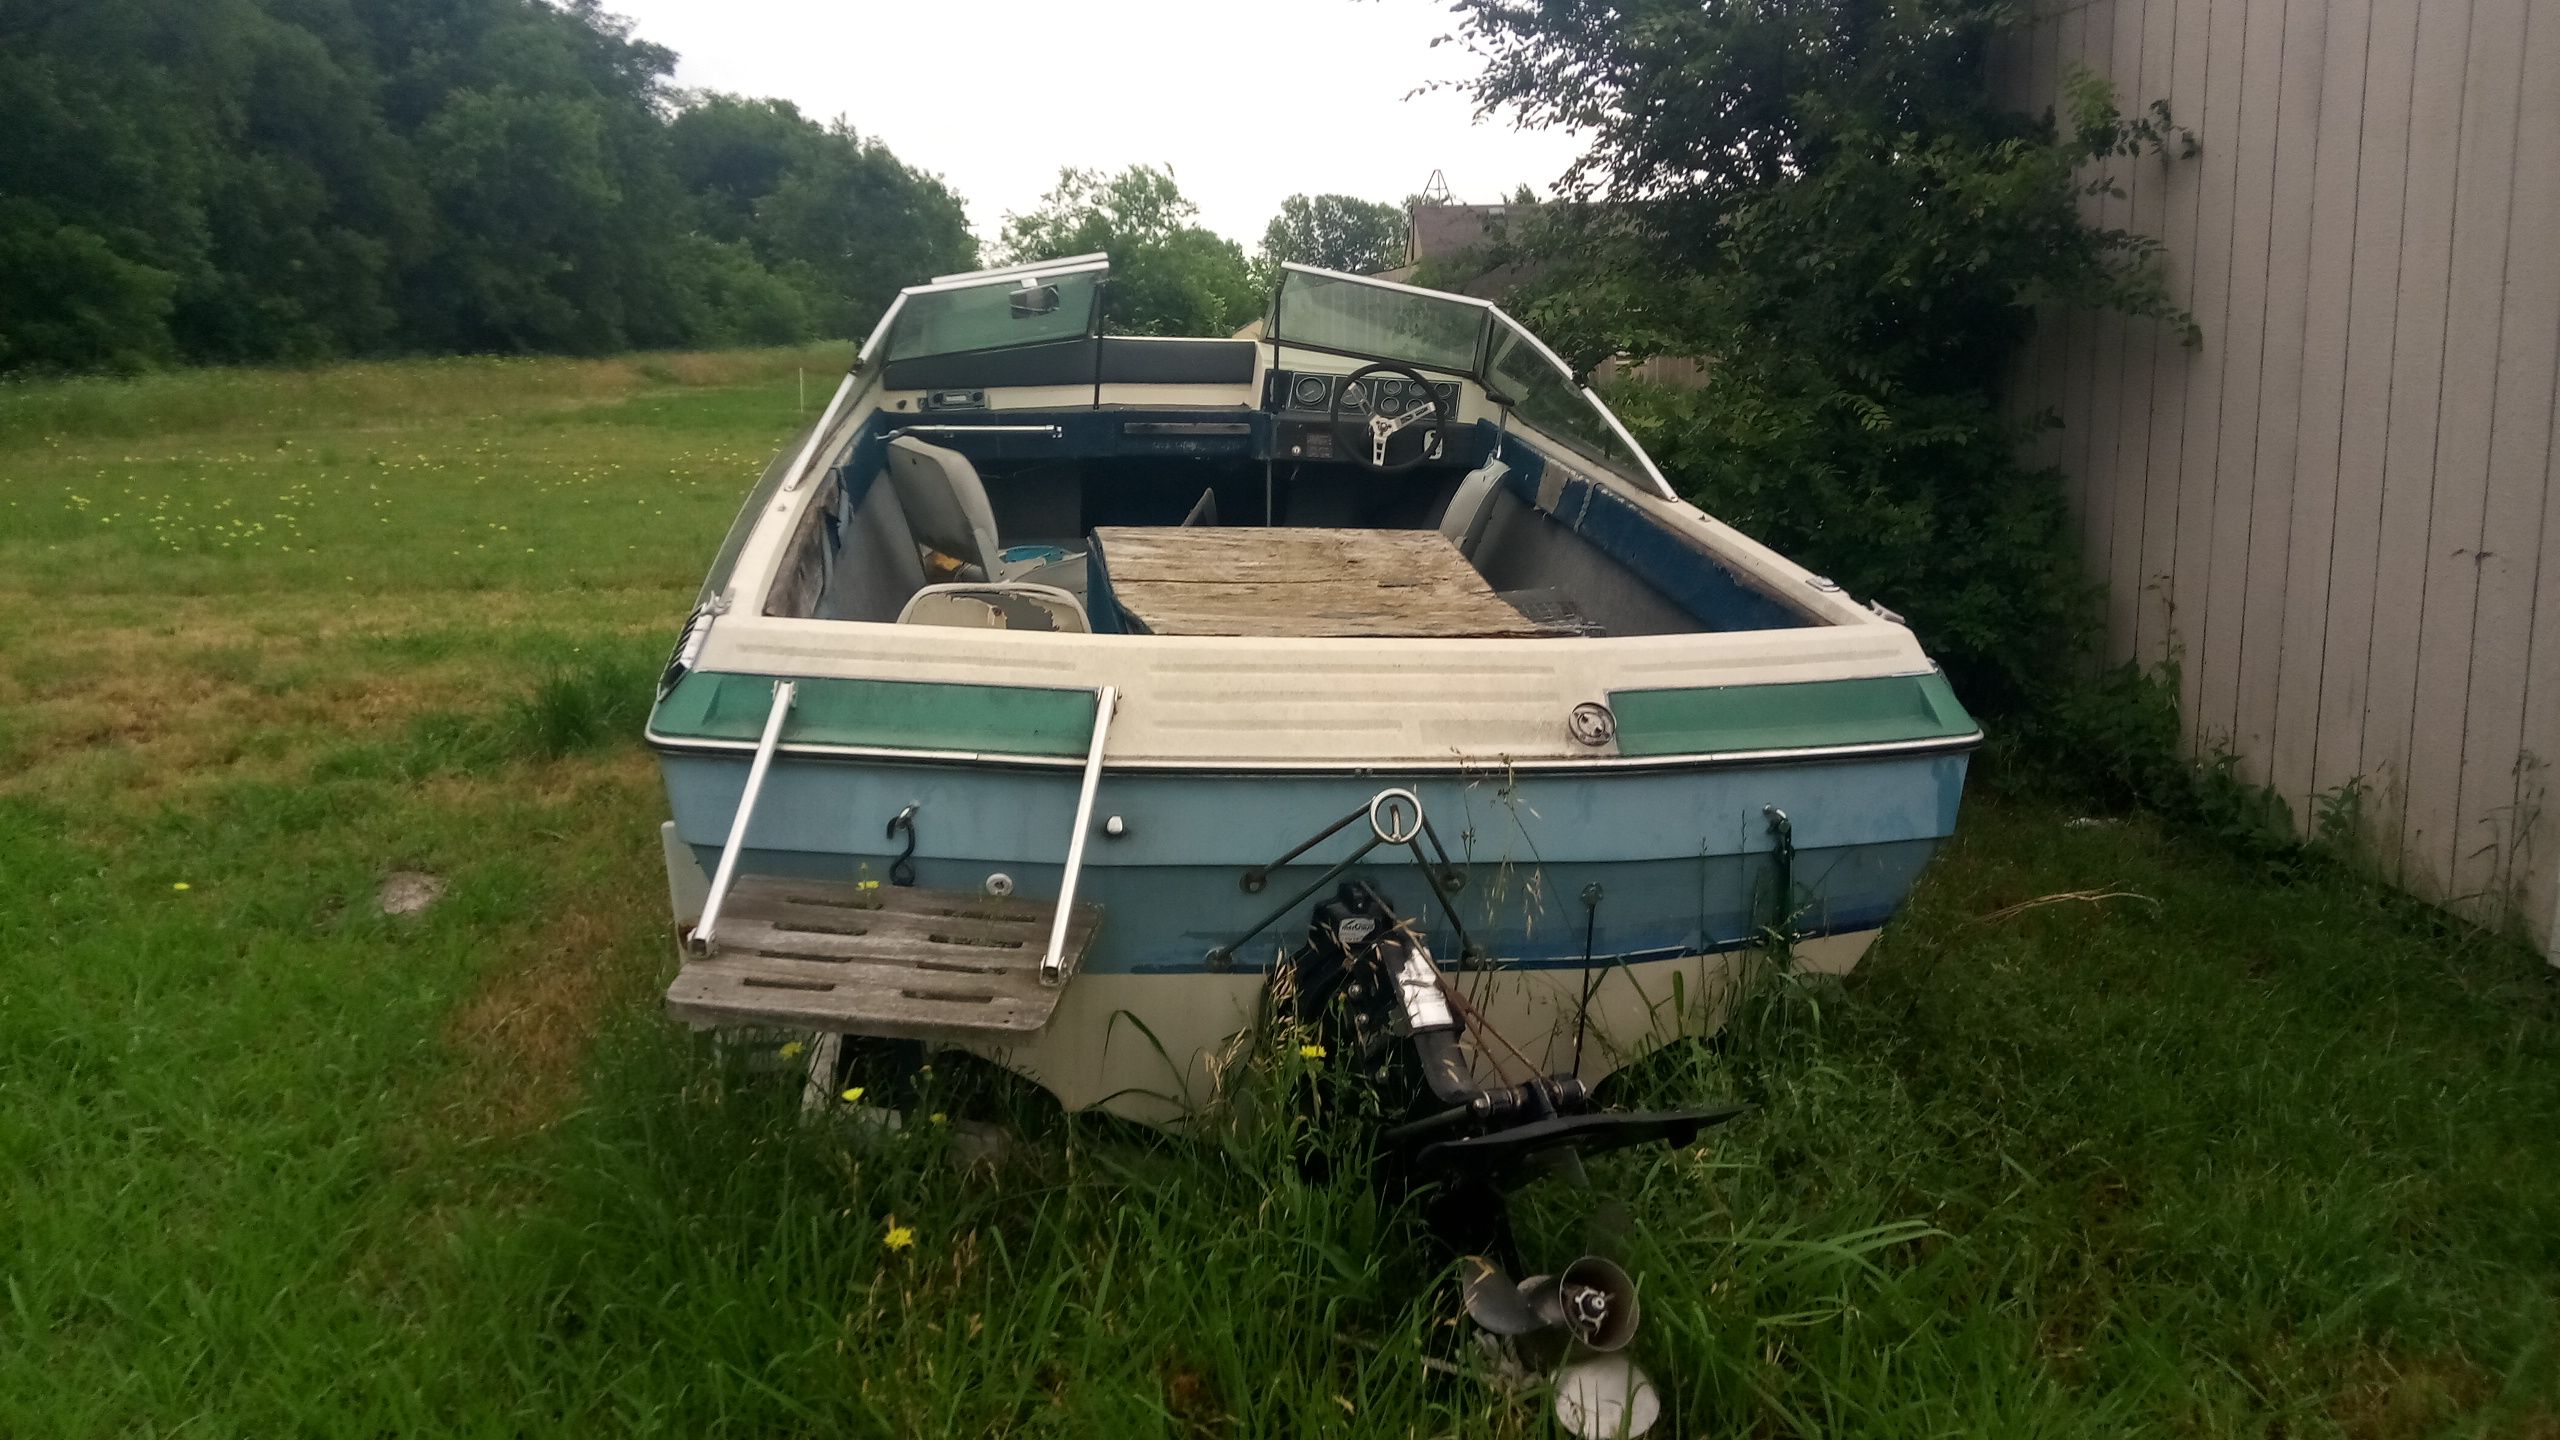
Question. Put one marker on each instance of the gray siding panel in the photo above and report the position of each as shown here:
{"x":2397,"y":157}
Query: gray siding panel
{"x":2333,"y":513}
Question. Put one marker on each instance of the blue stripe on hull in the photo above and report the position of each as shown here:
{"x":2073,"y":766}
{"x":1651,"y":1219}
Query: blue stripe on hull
{"x":1684,"y":859}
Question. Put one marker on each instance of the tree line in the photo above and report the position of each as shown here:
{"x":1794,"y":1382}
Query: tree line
{"x":250,"y":181}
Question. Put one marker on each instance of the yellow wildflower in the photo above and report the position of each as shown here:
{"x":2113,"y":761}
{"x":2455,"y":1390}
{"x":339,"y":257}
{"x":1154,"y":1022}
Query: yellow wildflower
{"x":791,"y":1049}
{"x":941,"y":1119}
{"x":182,"y":885}
{"x":853,"y":1096}
{"x":900,"y":1237}
{"x":1311,"y":1052}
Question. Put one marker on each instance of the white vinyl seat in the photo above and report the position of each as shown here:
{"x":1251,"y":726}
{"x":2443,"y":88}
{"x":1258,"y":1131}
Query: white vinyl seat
{"x":997,"y":605}
{"x":946,"y":505}
{"x":1470,"y":506}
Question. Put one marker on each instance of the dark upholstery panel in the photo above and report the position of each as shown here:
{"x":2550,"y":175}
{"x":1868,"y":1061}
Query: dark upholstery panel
{"x":1127,"y":360}
{"x":1065,"y":362}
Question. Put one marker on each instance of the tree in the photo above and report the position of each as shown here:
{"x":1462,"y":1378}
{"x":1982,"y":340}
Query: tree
{"x":1335,"y":232}
{"x":1169,"y":276}
{"x":255,"y":180}
{"x":849,"y":224}
{"x":1822,"y":196}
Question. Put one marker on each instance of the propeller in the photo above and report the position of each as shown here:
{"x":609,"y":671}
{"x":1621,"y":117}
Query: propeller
{"x":1591,"y":1307}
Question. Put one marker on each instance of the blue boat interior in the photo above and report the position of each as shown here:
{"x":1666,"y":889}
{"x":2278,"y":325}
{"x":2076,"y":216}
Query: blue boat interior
{"x":912,"y":505}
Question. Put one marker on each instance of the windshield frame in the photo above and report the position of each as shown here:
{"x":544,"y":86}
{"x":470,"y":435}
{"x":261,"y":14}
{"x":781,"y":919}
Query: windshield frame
{"x":1031,"y":272}
{"x":1485,"y":309}
{"x":1491,"y":318}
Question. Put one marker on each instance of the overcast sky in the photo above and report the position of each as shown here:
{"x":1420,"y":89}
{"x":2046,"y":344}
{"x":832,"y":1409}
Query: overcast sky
{"x":1249,"y":102}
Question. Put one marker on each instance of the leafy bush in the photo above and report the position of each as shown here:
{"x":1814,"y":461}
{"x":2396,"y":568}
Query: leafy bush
{"x":2113,"y":740}
{"x":1918,"y":505}
{"x":1825,"y":200}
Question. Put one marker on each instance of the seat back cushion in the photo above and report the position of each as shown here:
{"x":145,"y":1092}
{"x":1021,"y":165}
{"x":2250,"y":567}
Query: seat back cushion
{"x":945,"y":504}
{"x":1012,"y":606}
{"x":1463,"y":522}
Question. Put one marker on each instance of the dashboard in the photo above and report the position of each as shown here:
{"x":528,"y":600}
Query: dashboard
{"x":1309,"y":392}
{"x":1303,"y":399}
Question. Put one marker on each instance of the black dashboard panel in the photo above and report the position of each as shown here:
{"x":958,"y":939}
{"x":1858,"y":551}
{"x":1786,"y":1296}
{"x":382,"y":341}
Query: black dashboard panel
{"x":1303,"y":401}
{"x":1121,"y":360}
{"x":1310,"y":392}
{"x":1133,"y":360}
{"x":1057,"y":362}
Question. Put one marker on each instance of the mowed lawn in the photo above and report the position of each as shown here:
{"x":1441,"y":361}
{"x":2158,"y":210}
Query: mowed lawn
{"x":2237,"y":1154}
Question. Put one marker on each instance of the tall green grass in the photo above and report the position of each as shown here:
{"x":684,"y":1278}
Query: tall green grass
{"x":2253,"y":1156}
{"x":415,"y":394}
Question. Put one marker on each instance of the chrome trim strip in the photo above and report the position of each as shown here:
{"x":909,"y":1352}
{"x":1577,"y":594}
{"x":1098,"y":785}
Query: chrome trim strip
{"x":705,"y":936}
{"x":1053,"y":965}
{"x":1026,"y":267}
{"x":1386,"y":285}
{"x":1053,"y":432}
{"x":1886,"y":749}
{"x":1045,"y":270}
{"x":1651,"y":471}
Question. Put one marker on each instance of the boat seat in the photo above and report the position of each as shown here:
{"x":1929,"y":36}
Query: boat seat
{"x":1470,"y":506}
{"x":997,"y":605}
{"x":946,"y":506}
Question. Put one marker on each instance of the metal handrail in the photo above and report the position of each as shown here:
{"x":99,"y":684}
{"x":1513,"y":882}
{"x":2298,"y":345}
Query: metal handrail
{"x":1053,"y":965}
{"x":784,"y":693}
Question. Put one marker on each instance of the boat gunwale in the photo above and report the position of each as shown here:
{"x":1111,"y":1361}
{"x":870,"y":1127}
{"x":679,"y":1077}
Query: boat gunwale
{"x":1459,"y":765}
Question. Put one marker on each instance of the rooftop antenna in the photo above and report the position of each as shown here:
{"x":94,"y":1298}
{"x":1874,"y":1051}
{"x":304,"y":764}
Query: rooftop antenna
{"x":1435,"y":191}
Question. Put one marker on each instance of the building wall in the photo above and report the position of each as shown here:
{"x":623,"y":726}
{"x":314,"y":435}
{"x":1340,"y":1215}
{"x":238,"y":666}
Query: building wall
{"x":2335,"y":511}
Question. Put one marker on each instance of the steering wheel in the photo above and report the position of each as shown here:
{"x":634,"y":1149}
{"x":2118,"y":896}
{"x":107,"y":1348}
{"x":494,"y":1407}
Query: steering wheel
{"x":1415,"y":434}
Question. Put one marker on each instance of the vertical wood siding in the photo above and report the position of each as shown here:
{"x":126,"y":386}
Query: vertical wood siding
{"x":2333,"y":513}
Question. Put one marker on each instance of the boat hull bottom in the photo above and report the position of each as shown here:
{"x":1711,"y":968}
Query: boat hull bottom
{"x":1155,"y":1048}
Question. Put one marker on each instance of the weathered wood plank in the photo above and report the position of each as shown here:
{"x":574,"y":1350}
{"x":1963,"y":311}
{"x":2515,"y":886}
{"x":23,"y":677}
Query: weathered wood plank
{"x":2094,"y":504}
{"x":2280,"y":383}
{"x":1304,"y":582}
{"x":729,"y":992}
{"x":2199,"y":481}
{"x":892,"y":961}
{"x":2244,"y":335}
{"x":2372,"y":312}
{"x":2328,"y":277}
{"x":2503,"y":844}
{"x":2144,"y":50}
{"x":2120,"y":418}
{"x":2409,"y":448}
{"x":2180,"y":177}
{"x":2467,"y":389}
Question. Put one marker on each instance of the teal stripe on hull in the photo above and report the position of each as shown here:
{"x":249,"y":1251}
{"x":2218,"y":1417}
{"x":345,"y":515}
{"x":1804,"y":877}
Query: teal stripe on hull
{"x":1811,"y":714}
{"x":883,"y":714}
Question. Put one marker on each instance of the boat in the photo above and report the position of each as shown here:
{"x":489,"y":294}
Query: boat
{"x":1054,"y":680}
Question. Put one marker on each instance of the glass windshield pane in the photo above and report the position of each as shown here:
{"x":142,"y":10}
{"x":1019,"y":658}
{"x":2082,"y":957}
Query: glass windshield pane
{"x":1361,"y":319}
{"x":997,"y":315}
{"x":1546,"y":397}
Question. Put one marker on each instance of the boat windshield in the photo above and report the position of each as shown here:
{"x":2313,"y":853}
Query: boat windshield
{"x":1386,"y":322}
{"x":1528,"y":377}
{"x":1459,"y":335}
{"x":992,"y":310}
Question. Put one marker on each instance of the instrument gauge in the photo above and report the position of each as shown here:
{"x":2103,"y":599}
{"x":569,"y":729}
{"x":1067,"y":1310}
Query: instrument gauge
{"x":1389,"y":401}
{"x":1309,"y":392}
{"x":1355,"y":396}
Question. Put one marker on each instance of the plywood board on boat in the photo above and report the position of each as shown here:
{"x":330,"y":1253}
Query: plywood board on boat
{"x":889,"y":961}
{"x":1291,"y":581}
